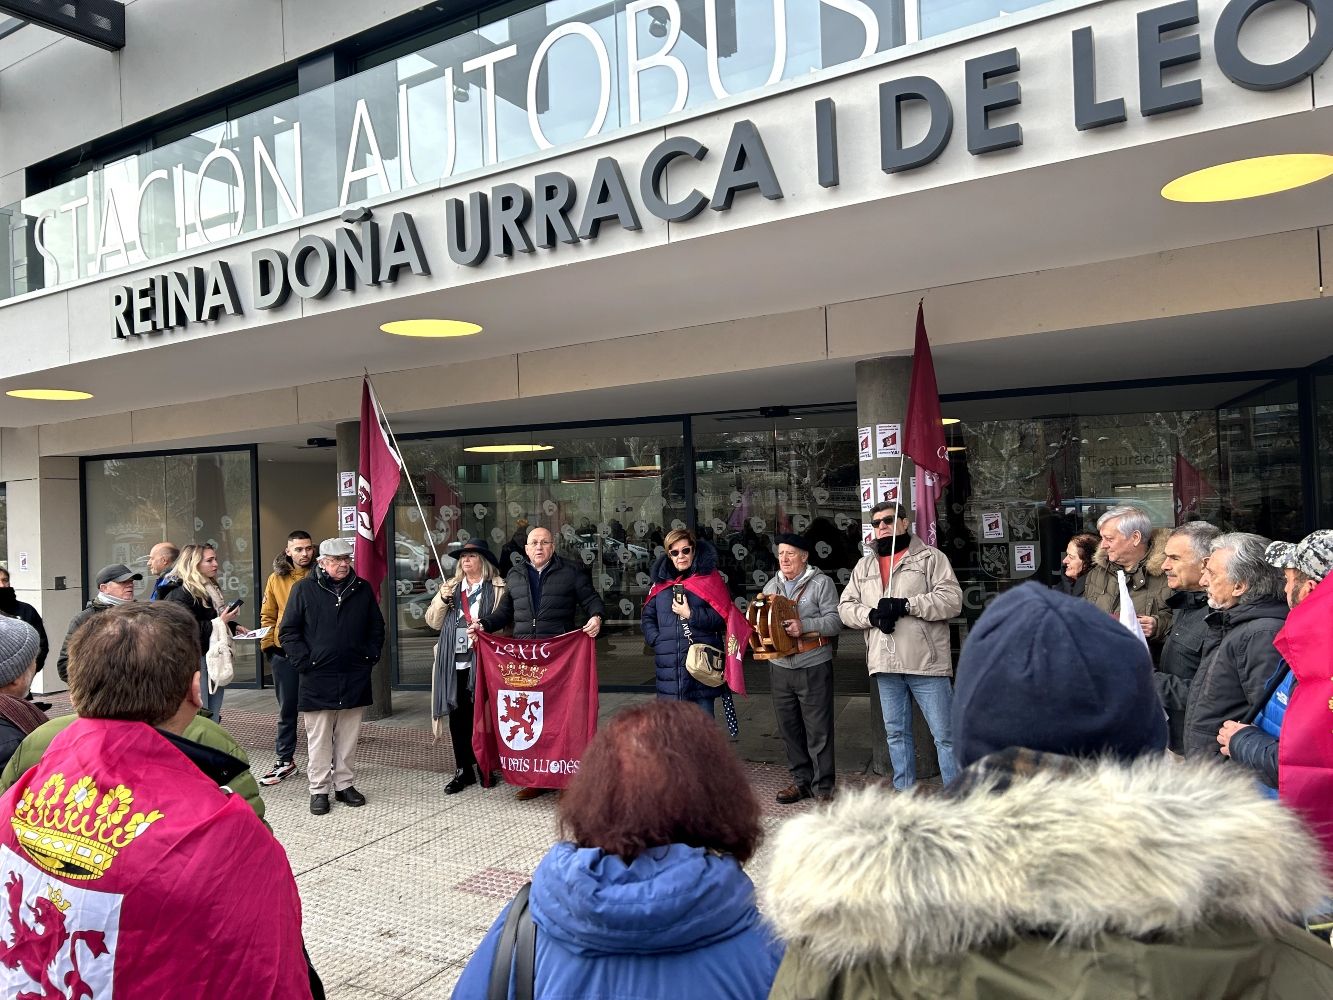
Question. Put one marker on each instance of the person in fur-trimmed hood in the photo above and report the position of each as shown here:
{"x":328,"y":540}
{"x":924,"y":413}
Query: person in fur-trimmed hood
{"x":1130,"y":543}
{"x":1070,"y":857}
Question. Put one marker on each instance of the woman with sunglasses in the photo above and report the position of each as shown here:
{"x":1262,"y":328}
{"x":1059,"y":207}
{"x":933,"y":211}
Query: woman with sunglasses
{"x":686,"y":593}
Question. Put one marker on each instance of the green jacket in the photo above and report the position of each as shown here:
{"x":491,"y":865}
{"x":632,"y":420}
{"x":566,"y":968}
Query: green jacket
{"x":1157,"y":880}
{"x":201,"y":730}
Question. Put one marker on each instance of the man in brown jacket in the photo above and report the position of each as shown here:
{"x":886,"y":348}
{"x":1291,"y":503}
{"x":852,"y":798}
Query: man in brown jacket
{"x":1130,"y":543}
{"x":902,"y":595}
{"x":289,"y":569}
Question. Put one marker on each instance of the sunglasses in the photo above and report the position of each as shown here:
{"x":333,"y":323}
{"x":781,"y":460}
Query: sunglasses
{"x":683,"y":551}
{"x":879,"y":522}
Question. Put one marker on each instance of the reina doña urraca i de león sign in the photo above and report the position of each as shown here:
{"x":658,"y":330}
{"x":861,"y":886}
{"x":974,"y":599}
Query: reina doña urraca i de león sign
{"x":512,"y":218}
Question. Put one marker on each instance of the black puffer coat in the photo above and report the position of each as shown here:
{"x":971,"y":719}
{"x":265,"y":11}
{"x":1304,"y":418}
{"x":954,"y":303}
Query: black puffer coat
{"x":333,"y":636}
{"x":663,"y":631}
{"x":1189,"y":641}
{"x":203,"y":611}
{"x":1233,"y":678}
{"x":565,"y":589}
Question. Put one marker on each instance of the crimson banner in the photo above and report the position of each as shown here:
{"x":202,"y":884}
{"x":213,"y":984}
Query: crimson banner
{"x":535,"y":707}
{"x":379,"y":471}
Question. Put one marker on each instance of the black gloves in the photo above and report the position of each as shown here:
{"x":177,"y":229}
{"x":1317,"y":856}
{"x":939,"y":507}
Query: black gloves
{"x":885,"y":617}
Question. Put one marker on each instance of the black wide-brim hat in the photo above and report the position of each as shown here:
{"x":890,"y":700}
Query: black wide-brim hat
{"x":480,"y":547}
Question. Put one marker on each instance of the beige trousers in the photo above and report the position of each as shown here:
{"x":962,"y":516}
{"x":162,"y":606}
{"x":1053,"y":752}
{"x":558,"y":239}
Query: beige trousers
{"x":331,"y":748}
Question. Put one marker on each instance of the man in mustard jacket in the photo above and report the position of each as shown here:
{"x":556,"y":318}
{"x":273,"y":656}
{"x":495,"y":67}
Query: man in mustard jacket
{"x":289,"y":569}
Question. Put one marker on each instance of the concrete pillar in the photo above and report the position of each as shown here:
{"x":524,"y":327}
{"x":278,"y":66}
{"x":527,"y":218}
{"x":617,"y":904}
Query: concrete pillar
{"x":381,"y":681}
{"x":882,"y":385}
{"x":44,"y":532}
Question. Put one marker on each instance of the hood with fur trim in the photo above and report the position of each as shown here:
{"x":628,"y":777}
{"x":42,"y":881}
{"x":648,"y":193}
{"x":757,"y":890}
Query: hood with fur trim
{"x":1156,"y":553}
{"x":1136,"y":850}
{"x":705,"y":561}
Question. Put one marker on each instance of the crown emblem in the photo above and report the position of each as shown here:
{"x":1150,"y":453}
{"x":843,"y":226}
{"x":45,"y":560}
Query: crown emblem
{"x":77,"y":834}
{"x":58,"y":899}
{"x":522,"y":675}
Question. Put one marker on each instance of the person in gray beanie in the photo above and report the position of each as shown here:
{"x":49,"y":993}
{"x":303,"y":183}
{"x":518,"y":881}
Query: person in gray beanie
{"x":19,"y":646}
{"x":1070,"y":857}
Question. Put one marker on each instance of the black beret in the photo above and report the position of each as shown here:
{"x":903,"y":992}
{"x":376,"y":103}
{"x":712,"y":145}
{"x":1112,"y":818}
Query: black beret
{"x":788,"y":538}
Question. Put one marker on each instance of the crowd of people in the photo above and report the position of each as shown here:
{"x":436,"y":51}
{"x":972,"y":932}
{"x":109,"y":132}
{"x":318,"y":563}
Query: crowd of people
{"x":1133,"y":800}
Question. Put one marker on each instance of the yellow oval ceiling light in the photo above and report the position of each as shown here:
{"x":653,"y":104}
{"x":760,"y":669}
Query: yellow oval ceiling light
{"x":61,"y":395}
{"x":506,"y":449}
{"x":1250,"y":178}
{"x":431,"y":328}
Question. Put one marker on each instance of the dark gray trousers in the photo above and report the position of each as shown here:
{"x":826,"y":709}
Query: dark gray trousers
{"x":803,"y":702}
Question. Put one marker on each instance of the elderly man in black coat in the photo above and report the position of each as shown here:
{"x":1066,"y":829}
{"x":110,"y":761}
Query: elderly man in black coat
{"x":332,"y":632}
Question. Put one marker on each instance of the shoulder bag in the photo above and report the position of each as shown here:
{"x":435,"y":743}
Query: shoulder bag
{"x":515,"y":952}
{"x":704,"y":662}
{"x":221,"y":667}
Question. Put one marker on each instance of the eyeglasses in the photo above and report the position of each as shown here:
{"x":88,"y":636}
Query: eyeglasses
{"x":879,"y":522}
{"x":684,"y":551}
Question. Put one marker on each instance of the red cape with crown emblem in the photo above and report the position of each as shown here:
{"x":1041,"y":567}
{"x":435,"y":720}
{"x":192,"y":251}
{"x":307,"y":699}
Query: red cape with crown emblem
{"x":125,"y":872}
{"x":535,"y":707}
{"x":712,"y":589}
{"x":1305,"y":750}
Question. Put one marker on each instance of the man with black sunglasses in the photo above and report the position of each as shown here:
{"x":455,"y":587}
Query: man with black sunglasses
{"x":902,"y":595}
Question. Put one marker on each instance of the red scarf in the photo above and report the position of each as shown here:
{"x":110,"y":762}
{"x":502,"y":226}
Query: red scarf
{"x":710,"y":588}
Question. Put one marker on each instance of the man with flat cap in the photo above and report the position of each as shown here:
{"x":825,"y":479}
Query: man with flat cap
{"x":115,"y":586}
{"x":332,"y":632}
{"x":802,"y":683}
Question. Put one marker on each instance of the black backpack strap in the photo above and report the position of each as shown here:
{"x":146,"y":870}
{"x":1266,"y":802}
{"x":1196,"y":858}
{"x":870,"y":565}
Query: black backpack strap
{"x":525,"y":962}
{"x":503,"y":962}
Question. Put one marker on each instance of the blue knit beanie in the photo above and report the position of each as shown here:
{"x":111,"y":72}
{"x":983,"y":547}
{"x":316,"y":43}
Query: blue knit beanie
{"x":1054,"y":673}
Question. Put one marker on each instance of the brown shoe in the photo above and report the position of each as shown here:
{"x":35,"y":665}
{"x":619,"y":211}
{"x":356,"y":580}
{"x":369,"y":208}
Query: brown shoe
{"x":793,"y":793}
{"x":524,"y":794}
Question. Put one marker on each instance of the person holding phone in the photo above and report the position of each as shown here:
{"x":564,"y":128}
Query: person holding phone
{"x":193,"y":583}
{"x":686,"y":590}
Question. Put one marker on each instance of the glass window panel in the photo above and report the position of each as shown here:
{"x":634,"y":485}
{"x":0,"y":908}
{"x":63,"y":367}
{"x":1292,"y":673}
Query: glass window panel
{"x":1324,"y":446}
{"x":758,"y":476}
{"x":134,"y":502}
{"x":608,"y":494}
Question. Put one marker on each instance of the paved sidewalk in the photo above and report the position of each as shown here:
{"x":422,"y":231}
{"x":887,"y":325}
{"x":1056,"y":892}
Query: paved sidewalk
{"x":398,"y":894}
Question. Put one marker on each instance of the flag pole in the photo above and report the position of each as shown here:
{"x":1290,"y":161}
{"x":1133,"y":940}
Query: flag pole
{"x":430,"y":534}
{"x":902,"y":456}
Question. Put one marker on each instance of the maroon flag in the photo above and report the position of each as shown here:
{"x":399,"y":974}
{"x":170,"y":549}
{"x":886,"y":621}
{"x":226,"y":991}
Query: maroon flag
{"x":923,"y":435}
{"x":535,"y":708}
{"x":1189,"y":487}
{"x":378,"y":474}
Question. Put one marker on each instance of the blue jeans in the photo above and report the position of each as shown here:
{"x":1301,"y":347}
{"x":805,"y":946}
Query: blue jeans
{"x":935,"y":696}
{"x":707,"y":704}
{"x":212,"y":702}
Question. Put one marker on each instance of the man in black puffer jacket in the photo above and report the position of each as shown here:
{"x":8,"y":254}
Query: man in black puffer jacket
{"x":332,"y":632}
{"x":540,"y":600}
{"x":542,"y":595}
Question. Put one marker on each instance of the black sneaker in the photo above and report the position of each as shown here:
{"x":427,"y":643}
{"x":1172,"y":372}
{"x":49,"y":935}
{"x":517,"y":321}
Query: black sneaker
{"x":281,"y":769}
{"x":319,"y":805}
{"x":349,"y":796}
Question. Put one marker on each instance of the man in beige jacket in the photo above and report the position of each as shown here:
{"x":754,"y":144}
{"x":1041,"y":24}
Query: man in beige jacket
{"x":905,"y":621}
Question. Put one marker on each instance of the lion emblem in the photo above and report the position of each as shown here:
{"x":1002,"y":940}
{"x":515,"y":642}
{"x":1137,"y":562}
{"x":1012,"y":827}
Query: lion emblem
{"x":520,"y":715}
{"x":37,"y":946}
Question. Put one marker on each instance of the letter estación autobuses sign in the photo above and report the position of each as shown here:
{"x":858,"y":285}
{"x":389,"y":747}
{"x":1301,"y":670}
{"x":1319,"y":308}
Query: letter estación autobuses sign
{"x":557,"y":209}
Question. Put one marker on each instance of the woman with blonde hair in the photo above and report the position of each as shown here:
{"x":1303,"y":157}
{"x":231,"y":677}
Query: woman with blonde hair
{"x":473,"y":592}
{"x":193,"y":583}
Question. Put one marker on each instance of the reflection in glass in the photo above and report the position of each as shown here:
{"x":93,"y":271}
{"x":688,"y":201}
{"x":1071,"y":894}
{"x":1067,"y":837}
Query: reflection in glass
{"x":134,"y":503}
{"x":608,"y":495}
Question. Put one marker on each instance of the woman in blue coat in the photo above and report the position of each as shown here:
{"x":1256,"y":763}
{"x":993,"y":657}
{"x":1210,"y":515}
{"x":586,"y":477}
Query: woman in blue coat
{"x":680,"y":578}
{"x":646,"y":897}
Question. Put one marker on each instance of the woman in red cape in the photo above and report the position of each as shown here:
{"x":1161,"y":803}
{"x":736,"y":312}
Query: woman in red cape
{"x":704,"y":614}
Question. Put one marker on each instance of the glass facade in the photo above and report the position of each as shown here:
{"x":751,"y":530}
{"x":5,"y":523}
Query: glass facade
{"x":133,"y":502}
{"x":1024,"y":483}
{"x":507,"y":82}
